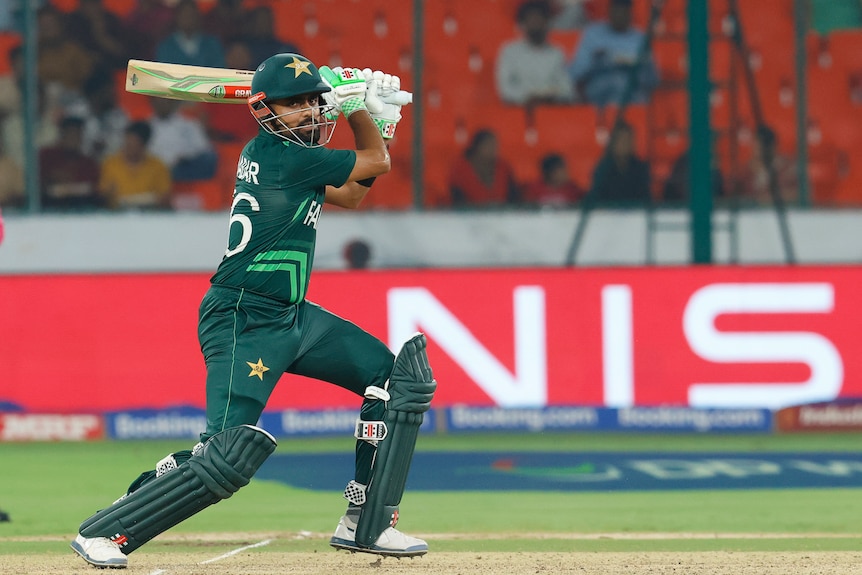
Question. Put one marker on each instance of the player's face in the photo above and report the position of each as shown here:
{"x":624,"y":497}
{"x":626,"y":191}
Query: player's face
{"x":301,"y":119}
{"x":300,"y":114}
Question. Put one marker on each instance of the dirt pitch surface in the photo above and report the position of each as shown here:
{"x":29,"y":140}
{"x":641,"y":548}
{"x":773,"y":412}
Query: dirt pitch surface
{"x":213,"y":555}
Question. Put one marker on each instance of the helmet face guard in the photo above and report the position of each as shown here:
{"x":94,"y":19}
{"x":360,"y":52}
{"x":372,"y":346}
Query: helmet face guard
{"x":283,"y":77}
{"x":315,"y":133}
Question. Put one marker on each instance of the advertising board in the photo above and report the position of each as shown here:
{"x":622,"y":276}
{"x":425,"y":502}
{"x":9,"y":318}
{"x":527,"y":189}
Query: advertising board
{"x":711,"y":337}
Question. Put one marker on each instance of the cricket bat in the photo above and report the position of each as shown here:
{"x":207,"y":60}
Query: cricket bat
{"x":203,"y":84}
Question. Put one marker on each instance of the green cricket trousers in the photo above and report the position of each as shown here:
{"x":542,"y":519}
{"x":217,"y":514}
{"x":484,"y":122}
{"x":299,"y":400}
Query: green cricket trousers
{"x":249,"y":341}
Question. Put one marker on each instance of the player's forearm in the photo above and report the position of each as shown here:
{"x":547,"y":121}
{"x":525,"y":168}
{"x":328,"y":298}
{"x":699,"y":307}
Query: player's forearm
{"x":372,"y":155}
{"x":367,"y":137}
{"x":348,"y":196}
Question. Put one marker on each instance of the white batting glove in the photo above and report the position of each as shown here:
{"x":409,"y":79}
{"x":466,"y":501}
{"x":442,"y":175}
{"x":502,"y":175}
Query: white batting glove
{"x":378,"y":86}
{"x":348,"y":89}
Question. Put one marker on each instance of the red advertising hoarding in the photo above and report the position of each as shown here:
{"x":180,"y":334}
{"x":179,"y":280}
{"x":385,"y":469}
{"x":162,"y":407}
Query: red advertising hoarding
{"x":708,"y":337}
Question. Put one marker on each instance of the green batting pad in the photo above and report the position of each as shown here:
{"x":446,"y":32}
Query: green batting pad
{"x":226,"y":463}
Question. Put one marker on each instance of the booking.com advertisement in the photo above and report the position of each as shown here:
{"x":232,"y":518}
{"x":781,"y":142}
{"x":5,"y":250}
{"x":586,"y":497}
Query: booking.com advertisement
{"x":735,"y":337}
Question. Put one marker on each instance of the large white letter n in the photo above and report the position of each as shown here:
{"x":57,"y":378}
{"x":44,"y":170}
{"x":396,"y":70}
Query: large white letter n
{"x":416,"y":309}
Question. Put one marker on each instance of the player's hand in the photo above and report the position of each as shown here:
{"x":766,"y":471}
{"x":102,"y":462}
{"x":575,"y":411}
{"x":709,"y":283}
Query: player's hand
{"x":348,"y":89}
{"x":379,"y":85}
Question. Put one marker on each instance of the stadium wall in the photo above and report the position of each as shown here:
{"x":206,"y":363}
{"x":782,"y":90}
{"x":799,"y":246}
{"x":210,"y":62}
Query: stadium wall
{"x":195,"y":241}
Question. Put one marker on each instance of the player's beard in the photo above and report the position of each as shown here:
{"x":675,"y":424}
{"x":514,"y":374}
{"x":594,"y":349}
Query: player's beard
{"x":308,"y":132}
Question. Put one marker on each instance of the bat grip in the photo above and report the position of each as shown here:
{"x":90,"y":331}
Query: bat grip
{"x":400,"y":98}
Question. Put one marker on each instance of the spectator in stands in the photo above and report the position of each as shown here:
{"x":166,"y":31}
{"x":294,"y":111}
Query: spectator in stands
{"x":481,"y":177}
{"x":12,"y":190}
{"x":188,"y":43}
{"x":46,"y":130}
{"x":226,"y":20}
{"x":605,"y":57}
{"x":230,"y":123}
{"x":69,"y":177}
{"x":64,"y":64}
{"x":7,"y":19}
{"x":181,"y":142}
{"x":357,"y":254}
{"x":621,"y":177}
{"x":133,"y":177}
{"x":676,"y":187}
{"x":148,"y":24}
{"x":754,"y":179}
{"x":105,"y":120}
{"x":555,"y":188}
{"x":260,"y":36}
{"x":570,"y":14}
{"x":101,"y":32}
{"x":530,"y":70}
{"x":11,"y":84}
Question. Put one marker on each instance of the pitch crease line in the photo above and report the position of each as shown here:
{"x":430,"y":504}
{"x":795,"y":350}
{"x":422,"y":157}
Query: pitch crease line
{"x":235,"y":551}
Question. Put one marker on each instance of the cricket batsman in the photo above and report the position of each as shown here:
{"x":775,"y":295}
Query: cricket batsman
{"x":255,"y":323}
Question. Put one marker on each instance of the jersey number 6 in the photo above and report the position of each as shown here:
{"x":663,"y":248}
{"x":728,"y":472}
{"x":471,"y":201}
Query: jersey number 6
{"x":243,"y":220}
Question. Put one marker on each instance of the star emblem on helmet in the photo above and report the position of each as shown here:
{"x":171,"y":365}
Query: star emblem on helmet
{"x":299,"y":67}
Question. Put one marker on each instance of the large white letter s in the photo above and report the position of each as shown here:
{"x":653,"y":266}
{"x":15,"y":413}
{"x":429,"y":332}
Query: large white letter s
{"x":812,"y":349}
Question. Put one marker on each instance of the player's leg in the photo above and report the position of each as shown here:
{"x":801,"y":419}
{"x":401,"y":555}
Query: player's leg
{"x":340,"y":352}
{"x":238,"y":386}
{"x":247,"y":342}
{"x":215,"y":471}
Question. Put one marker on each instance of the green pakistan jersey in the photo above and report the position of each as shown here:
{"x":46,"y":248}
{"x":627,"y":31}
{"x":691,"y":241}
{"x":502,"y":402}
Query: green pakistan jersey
{"x":276,"y":205}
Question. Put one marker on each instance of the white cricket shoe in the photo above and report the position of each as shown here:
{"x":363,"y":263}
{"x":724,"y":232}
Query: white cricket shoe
{"x":100,"y":552}
{"x":391,"y":542}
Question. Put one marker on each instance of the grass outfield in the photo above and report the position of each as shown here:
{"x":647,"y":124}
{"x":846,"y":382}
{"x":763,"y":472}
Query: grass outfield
{"x":48,"y":488}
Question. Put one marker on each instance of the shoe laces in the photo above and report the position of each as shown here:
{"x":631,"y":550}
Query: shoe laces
{"x":103,"y":543}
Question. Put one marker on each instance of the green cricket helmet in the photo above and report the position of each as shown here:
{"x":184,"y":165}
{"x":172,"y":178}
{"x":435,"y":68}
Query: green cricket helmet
{"x":285,"y":77}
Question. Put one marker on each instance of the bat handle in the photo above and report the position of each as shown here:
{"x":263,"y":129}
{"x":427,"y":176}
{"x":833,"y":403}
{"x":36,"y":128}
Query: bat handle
{"x":400,"y":98}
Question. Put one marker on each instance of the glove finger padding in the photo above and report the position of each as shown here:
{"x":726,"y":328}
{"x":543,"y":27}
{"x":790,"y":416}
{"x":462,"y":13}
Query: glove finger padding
{"x":372,"y":89}
{"x":348,"y":88}
{"x":378,"y":85}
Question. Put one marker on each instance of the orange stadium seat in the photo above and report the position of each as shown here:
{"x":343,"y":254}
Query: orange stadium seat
{"x":826,"y":168}
{"x":565,"y":40}
{"x":721,"y":54}
{"x":766,"y":21}
{"x":120,"y":7}
{"x":8,"y":40}
{"x":670,"y":110}
{"x":65,"y":5}
{"x":437,"y":163}
{"x":671,"y":58}
{"x":573,"y":132}
{"x":393,"y":191}
{"x":848,"y":191}
{"x":845,"y":47}
{"x":672,"y":19}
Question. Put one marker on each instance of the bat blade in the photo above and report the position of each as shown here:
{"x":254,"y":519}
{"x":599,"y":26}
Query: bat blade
{"x":203,"y":84}
{"x":192,"y":83}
